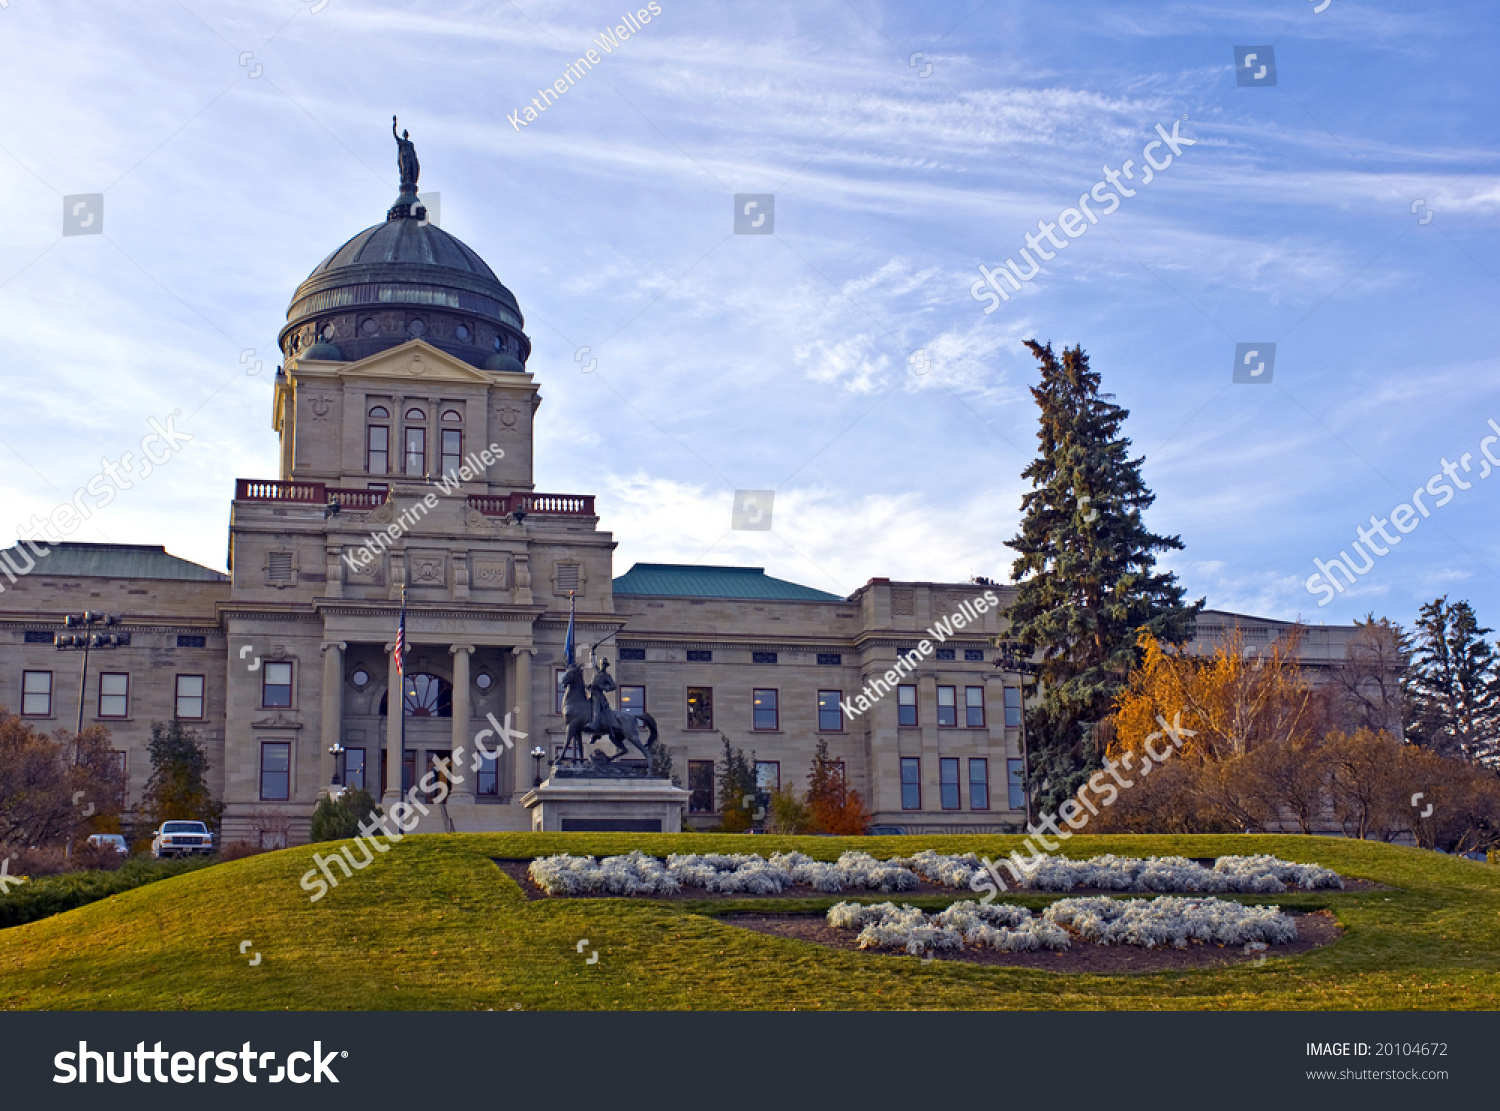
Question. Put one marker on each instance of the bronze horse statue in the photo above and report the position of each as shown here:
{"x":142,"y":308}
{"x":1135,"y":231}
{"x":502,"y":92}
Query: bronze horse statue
{"x":623,"y":730}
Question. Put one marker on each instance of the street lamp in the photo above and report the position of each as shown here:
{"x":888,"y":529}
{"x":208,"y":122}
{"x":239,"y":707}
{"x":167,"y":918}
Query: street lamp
{"x":335,"y":788}
{"x":537,"y":753}
{"x":74,"y":641}
{"x":1015,"y":659}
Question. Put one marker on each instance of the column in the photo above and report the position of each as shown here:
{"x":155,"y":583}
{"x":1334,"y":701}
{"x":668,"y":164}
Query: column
{"x":333,"y":704}
{"x":393,"y":708}
{"x":521,"y":697}
{"x":463,"y":738}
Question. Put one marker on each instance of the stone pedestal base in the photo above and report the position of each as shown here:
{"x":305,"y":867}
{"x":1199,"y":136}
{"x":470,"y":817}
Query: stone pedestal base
{"x":606,"y":805}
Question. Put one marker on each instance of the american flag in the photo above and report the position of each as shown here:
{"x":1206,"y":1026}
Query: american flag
{"x":401,"y":638}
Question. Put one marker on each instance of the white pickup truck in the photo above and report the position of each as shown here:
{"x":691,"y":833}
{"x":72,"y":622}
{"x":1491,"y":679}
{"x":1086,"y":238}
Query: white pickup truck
{"x":182,"y":839}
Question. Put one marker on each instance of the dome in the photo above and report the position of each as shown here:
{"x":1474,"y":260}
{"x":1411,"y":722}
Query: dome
{"x":400,"y":280}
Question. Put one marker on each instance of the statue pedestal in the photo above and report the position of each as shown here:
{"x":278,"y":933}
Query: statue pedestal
{"x":599,"y":805}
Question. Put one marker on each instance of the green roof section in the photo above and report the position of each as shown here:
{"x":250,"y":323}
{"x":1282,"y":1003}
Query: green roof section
{"x":112,"y":561}
{"x":694,"y":580}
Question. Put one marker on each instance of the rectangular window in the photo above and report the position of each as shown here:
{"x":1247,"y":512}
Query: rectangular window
{"x":1012,"y":707}
{"x":416,"y":451}
{"x":377,"y":449}
{"x":114,"y":694}
{"x":974,"y":707}
{"x":276,"y":686}
{"x":766,"y":716}
{"x":830,"y":714}
{"x":700,"y":656}
{"x":36,"y":694}
{"x":767,"y":776}
{"x":187,"y":640}
{"x":632,"y":700}
{"x":190,"y":697}
{"x":701,"y":786}
{"x":945,"y":653}
{"x":408,"y":769}
{"x":632,"y":654}
{"x":762,"y":657}
{"x":947,"y":706}
{"x":906,"y":706}
{"x":40,"y":636}
{"x":558,"y":700}
{"x":275,"y":771}
{"x":453,"y":450}
{"x":488,"y":781}
{"x":354,"y":768}
{"x":830,"y":659}
{"x":1016,"y":776}
{"x":948,"y":783}
{"x":979,"y":783}
{"x":911,"y":783}
{"x":974,"y":655}
{"x":700,"y":707}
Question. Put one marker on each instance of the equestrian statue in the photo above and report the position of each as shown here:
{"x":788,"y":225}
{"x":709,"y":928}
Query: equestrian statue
{"x":587,"y":710}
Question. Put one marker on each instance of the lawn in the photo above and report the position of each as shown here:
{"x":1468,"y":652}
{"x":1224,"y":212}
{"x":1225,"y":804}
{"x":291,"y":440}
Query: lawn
{"x":433,"y":924}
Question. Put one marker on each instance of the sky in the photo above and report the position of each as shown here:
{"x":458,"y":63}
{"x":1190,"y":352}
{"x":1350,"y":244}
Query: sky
{"x":1344,"y":216}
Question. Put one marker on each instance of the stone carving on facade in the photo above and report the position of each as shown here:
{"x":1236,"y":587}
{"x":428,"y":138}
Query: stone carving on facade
{"x":475,"y":519}
{"x":359,"y":573}
{"x":320,"y":407}
{"x":278,"y":720}
{"x":385,"y":514}
{"x":510,"y":417}
{"x":491,"y":573}
{"x":904,"y":603}
{"x":427,"y":569}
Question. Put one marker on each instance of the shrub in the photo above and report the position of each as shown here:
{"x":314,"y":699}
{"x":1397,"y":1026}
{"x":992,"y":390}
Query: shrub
{"x":49,"y":895}
{"x":340,"y":820}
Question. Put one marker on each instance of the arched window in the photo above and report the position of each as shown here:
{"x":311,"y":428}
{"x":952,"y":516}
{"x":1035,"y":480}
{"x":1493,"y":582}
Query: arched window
{"x":452,"y":443}
{"x":378,"y":441}
{"x":427,"y":696}
{"x":416,"y":443}
{"x":415,"y":414}
{"x":453,"y":415}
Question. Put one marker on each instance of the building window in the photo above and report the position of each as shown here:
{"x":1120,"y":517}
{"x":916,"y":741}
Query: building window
{"x":911,"y":783}
{"x":633,"y":700}
{"x":767,"y":777}
{"x":974,"y":707}
{"x":830,"y":659}
{"x":1016,"y":776}
{"x":906,"y":706}
{"x":974,"y":655}
{"x":453,"y":450}
{"x":762,"y":657}
{"x":354,"y":769}
{"x":558,"y":701}
{"x":830,"y":715}
{"x":567,"y":578}
{"x":765,"y":714}
{"x":185,"y":640}
{"x":276,"y":685}
{"x":979,"y":783}
{"x":275,"y":771}
{"x":700,"y":707}
{"x":416,"y":449}
{"x":632,"y":654}
{"x":118,"y":758}
{"x":378,"y":448}
{"x":488,"y":782}
{"x":700,"y":656}
{"x":948,"y":783}
{"x":190,"y":697}
{"x":279,"y":567}
{"x":945,"y":653}
{"x":40,"y":636}
{"x":114,"y":694}
{"x":947,"y":706}
{"x":700,"y":786}
{"x":427,"y":696}
{"x":36,"y":694}
{"x":1012,"y":707}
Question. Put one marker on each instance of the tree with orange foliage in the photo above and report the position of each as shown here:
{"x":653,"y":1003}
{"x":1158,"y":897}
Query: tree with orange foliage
{"x":835,"y":808}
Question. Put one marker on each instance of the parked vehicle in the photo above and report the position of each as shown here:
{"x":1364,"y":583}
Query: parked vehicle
{"x":886,"y":831}
{"x":110,"y":840}
{"x":182,"y":839}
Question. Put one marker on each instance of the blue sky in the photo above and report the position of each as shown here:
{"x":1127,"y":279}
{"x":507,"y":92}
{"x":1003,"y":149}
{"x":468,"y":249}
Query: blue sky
{"x":787,"y":361}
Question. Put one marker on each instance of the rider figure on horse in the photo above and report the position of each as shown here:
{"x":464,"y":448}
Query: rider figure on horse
{"x":601,"y":684}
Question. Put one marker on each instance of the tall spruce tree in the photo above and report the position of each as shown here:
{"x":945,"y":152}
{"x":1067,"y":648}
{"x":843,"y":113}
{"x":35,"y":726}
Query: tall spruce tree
{"x":1456,"y":684}
{"x":1085,"y":574}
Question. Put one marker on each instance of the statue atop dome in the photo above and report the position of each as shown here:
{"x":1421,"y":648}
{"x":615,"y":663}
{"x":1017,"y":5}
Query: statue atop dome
{"x":406,"y":159}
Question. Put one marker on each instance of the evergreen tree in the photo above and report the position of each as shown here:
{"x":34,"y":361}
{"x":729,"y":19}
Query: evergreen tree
{"x":1085,"y":574}
{"x":178,"y":786}
{"x":1455,"y":684}
{"x":336,"y":821}
{"x":739,"y":796}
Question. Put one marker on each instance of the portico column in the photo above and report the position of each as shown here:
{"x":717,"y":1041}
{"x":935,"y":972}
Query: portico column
{"x":333,"y":704}
{"x":393,"y":710}
{"x":463,"y":744}
{"x":522,"y":695}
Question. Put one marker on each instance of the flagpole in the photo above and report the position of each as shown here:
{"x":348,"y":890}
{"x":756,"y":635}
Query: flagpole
{"x":401,"y":674}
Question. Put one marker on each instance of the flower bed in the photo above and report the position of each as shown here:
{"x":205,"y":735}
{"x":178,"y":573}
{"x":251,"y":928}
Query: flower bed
{"x":1249,"y":875}
{"x":1147,"y":923}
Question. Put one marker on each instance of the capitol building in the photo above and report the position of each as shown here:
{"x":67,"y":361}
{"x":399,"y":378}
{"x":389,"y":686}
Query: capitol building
{"x":406,"y":360}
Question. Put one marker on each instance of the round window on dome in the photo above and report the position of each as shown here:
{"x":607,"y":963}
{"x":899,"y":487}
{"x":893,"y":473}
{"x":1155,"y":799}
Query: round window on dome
{"x":368,"y":326}
{"x":328,"y":333}
{"x":417,"y":327}
{"x":462,"y":332}
{"x":499,"y":344}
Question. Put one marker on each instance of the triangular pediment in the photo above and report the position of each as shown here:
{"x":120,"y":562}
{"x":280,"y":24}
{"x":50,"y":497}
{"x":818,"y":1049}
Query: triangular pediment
{"x":415,"y":360}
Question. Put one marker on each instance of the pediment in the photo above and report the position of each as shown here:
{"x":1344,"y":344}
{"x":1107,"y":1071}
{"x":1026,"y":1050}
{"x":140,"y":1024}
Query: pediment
{"x":416,"y":361}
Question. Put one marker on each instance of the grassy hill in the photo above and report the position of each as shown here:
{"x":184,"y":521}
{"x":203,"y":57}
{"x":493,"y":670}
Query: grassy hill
{"x":434,"y":924}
